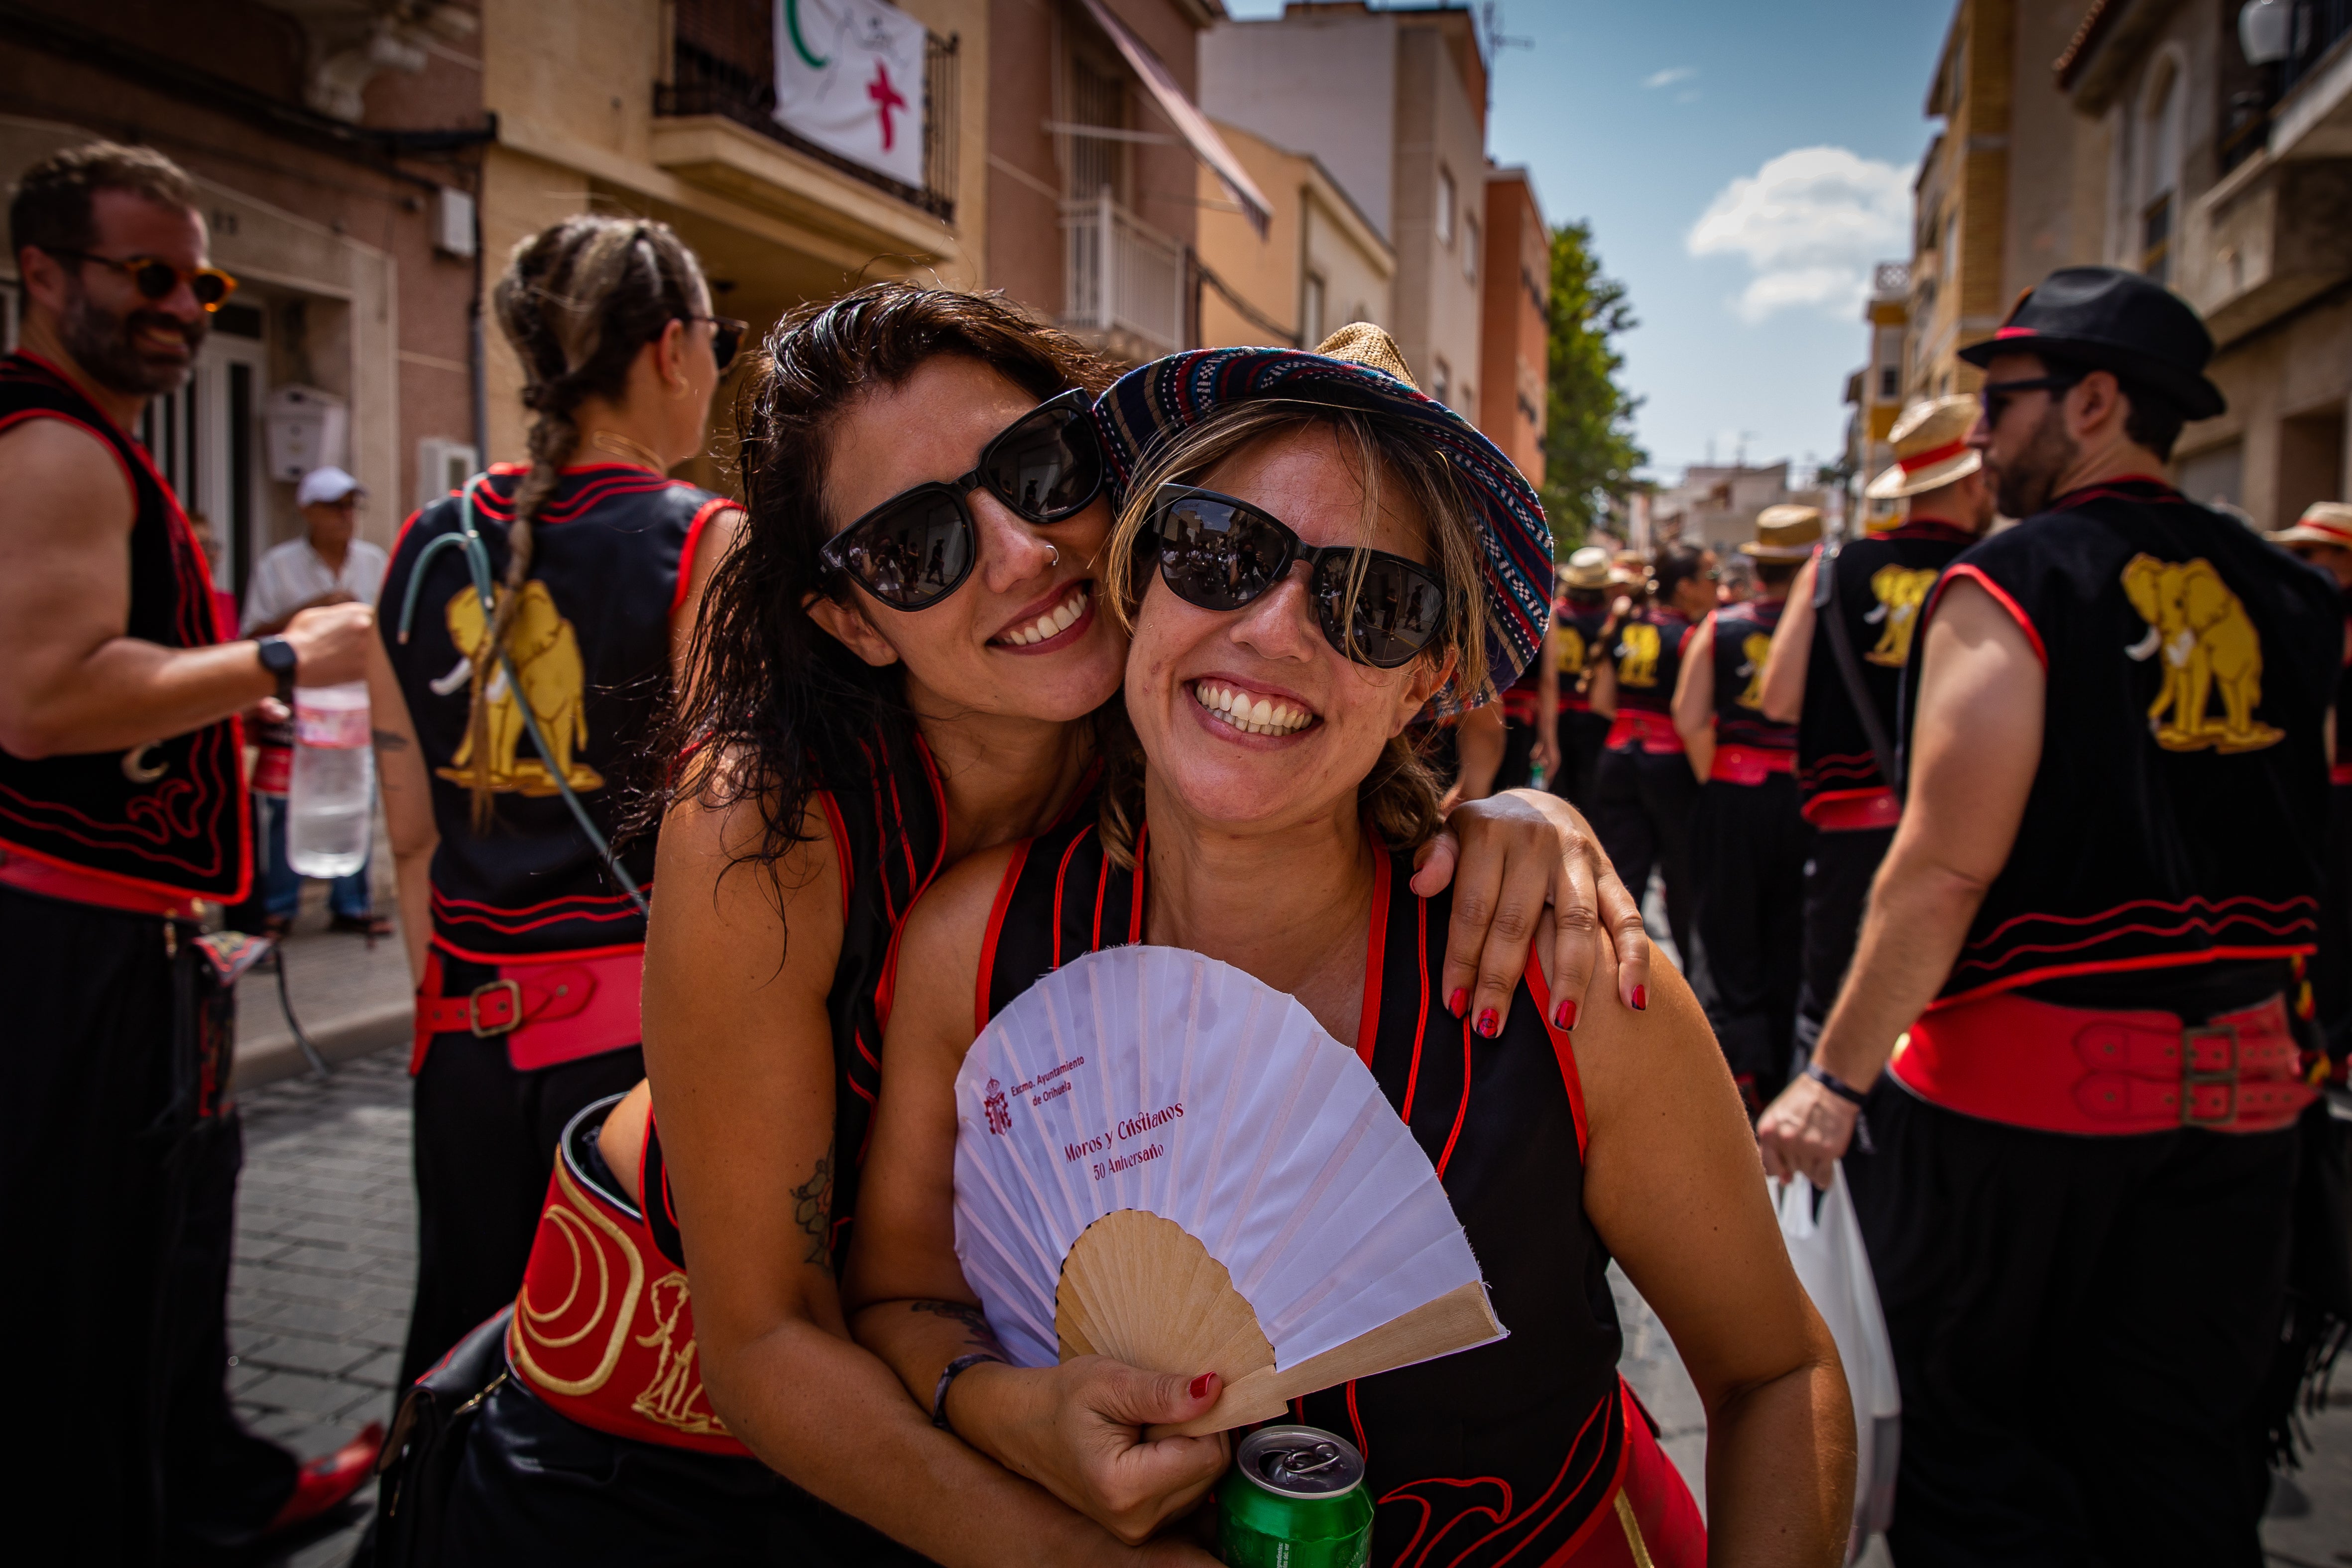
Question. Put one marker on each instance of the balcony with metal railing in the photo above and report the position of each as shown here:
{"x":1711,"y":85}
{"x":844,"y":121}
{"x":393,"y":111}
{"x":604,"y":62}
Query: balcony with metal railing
{"x":1125,"y":283}
{"x":723,"y":63}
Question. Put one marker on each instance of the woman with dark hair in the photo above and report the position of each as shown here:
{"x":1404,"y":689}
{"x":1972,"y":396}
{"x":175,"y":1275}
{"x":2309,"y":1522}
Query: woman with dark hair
{"x":531,"y":627}
{"x":1279,"y":500}
{"x":1645,"y":785}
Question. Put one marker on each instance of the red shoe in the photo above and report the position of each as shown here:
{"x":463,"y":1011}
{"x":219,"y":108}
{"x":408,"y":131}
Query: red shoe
{"x":324,"y":1483}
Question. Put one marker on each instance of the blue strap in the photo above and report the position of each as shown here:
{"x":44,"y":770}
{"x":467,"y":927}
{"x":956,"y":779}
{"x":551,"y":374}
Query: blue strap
{"x":478,"y":561}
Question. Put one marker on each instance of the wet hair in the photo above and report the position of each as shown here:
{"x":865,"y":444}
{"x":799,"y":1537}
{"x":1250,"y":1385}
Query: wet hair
{"x":53,"y":205}
{"x":1399,"y":796}
{"x":578,"y":300}
{"x":1674,"y":563}
{"x":775,"y":707}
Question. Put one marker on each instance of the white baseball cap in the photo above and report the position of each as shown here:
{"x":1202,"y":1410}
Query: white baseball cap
{"x":326,"y":486}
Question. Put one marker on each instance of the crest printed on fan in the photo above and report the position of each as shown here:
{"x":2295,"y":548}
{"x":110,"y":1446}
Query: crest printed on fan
{"x":1162,"y":1159}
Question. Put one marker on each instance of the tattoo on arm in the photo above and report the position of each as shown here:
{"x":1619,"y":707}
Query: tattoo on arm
{"x":977,"y":1334}
{"x":813,"y":1211}
{"x":388,"y":741}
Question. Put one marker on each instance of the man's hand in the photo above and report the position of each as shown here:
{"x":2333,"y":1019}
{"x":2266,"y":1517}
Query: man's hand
{"x":1805,"y":1132}
{"x":330,"y":643}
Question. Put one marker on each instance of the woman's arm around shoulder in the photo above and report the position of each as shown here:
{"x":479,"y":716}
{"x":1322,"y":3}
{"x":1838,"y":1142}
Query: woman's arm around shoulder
{"x":1671,"y":1185}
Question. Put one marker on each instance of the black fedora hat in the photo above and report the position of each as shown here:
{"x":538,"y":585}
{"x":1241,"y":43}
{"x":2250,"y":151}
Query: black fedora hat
{"x":2106,"y":319}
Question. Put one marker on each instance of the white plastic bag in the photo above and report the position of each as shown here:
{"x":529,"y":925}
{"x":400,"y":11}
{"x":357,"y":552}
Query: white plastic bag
{"x":1826,"y":1249}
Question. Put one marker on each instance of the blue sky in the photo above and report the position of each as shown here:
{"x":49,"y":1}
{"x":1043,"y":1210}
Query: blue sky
{"x":1742,"y":161}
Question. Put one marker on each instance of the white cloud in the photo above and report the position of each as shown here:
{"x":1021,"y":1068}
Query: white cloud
{"x":1810,"y":222}
{"x":1668,"y":77}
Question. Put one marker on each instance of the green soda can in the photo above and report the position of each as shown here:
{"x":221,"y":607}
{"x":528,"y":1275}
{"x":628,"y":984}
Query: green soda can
{"x":1294,"y":1498}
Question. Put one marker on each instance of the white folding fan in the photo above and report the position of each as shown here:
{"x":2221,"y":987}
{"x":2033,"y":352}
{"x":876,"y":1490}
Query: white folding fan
{"x":1160,"y":1158}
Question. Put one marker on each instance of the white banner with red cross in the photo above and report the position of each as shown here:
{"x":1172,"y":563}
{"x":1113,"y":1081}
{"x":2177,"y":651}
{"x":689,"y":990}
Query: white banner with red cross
{"x":849,"y":77}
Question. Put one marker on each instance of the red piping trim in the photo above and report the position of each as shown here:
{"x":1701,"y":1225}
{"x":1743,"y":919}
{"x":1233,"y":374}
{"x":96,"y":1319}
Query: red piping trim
{"x":1421,"y":1018}
{"x":839,"y":828}
{"x":702,"y":515}
{"x":568,"y":955}
{"x":2000,"y":596}
{"x":995,"y":927}
{"x":2121,"y":966}
{"x":1563,"y":1049}
{"x":1460,"y":1111}
{"x":1368,"y":1022}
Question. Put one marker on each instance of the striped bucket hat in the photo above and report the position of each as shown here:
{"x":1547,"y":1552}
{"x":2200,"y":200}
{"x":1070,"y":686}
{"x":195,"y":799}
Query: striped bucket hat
{"x":1359,"y":367}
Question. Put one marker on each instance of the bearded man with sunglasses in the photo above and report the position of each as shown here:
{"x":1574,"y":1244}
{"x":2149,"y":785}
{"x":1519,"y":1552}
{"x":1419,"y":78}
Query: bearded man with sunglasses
{"x":122,"y":813}
{"x":2107,"y":863}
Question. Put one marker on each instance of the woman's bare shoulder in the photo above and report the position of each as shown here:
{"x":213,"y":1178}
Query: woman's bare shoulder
{"x":939,"y":950}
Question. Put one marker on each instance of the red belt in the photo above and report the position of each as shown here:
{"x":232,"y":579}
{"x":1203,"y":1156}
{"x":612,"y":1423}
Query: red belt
{"x":2341,"y":773}
{"x":1852,"y":812}
{"x":1749,"y":764}
{"x":550,"y":1010}
{"x":55,"y":879}
{"x":1652,"y":732}
{"x":2067,"y":1069}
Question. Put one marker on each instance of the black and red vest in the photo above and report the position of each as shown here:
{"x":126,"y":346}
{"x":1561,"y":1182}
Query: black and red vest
{"x":1743,"y":639}
{"x":592,"y":649}
{"x":1648,"y":657}
{"x":2177,"y":815}
{"x":1578,"y":622}
{"x":2342,"y":772}
{"x":1883,"y":579}
{"x":886,"y":816}
{"x":170,"y":817}
{"x":1498,"y":1454}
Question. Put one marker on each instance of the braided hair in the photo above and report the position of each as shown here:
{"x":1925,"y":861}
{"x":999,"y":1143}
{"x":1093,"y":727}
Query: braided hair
{"x":578,"y":300}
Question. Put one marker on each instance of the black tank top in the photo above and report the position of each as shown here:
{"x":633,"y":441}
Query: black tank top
{"x":1882,"y":581}
{"x":1743,"y":638}
{"x":2177,"y":815}
{"x":172,"y":816}
{"x":1579,"y":624}
{"x":1496,"y":1454}
{"x":1649,"y":658}
{"x":591,"y":646}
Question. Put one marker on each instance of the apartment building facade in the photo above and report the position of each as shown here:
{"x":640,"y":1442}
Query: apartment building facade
{"x":1875,"y":393}
{"x":1514,"y":352}
{"x":337,"y":151}
{"x":1393,"y":104}
{"x":1317,"y":265}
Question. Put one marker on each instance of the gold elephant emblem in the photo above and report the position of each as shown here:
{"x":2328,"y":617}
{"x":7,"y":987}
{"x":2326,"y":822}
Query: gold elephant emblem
{"x":545,"y":651}
{"x":1571,"y":651}
{"x":1637,"y":655}
{"x":1755,"y":648}
{"x":1900,"y":591}
{"x":2202,"y":631}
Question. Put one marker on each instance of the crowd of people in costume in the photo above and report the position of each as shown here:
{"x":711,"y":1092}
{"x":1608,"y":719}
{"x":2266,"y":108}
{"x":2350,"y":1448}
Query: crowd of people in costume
{"x":723,"y":826}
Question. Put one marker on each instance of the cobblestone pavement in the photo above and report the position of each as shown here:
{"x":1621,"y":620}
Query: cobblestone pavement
{"x":326,"y":1255}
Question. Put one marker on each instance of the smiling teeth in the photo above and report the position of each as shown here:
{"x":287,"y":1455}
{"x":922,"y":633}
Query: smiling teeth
{"x":1052,"y":622}
{"x":1260,"y":717}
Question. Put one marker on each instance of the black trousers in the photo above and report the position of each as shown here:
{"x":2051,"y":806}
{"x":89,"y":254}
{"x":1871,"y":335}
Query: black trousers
{"x":1838,"y":874}
{"x":485,"y":1145}
{"x":537,"y":1487}
{"x":1518,"y":757}
{"x":1641,"y":809}
{"x":2331,"y":968}
{"x":119,"y":1158}
{"x":1747,"y":866}
{"x":2081,"y":1326}
{"x":1582,"y":737}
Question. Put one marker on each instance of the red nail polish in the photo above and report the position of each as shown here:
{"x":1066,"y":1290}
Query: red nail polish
{"x":1565,"y":1017}
{"x":1459,"y":1000}
{"x":1200,"y":1386}
{"x":1641,"y":998}
{"x":1489,"y":1024}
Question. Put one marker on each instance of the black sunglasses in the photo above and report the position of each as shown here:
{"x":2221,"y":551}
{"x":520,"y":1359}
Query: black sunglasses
{"x":155,"y":277}
{"x":726,"y":336}
{"x":1995,"y":395}
{"x":1220,"y":553}
{"x":918,"y":547}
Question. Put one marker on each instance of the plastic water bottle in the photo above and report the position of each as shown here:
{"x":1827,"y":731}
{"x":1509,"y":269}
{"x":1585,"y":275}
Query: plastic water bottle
{"x":332,"y":798}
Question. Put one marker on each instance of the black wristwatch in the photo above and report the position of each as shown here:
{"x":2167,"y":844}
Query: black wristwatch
{"x":277,"y":655}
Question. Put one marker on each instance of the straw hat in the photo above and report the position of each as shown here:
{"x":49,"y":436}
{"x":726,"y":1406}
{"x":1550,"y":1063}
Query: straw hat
{"x":1931,"y":448}
{"x":1588,"y":568}
{"x":2322,"y":522}
{"x":1785,"y":532}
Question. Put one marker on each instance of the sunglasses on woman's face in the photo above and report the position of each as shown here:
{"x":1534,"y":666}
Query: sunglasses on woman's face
{"x":726,"y":337}
{"x":155,"y":278}
{"x":1220,"y":553}
{"x":918,"y":546}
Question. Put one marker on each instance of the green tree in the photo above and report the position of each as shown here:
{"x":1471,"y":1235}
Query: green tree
{"x":1589,"y":454}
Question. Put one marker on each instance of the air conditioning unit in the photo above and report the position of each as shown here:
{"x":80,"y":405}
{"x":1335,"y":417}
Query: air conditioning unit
{"x":443,"y":466}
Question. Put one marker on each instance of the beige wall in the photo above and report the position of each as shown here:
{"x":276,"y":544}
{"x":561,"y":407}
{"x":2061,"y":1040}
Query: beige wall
{"x":1357,"y":269}
{"x":1313,"y":230}
{"x":1441,"y":130}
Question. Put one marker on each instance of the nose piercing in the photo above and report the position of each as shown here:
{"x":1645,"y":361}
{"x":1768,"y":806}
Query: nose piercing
{"x":1053,"y":555}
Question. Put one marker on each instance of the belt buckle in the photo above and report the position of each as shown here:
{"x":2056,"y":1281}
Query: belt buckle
{"x":2193,"y":1078}
{"x":513,"y":989}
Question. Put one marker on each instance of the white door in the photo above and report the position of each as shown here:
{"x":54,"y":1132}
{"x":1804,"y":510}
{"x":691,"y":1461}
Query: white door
{"x":206,"y":440}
